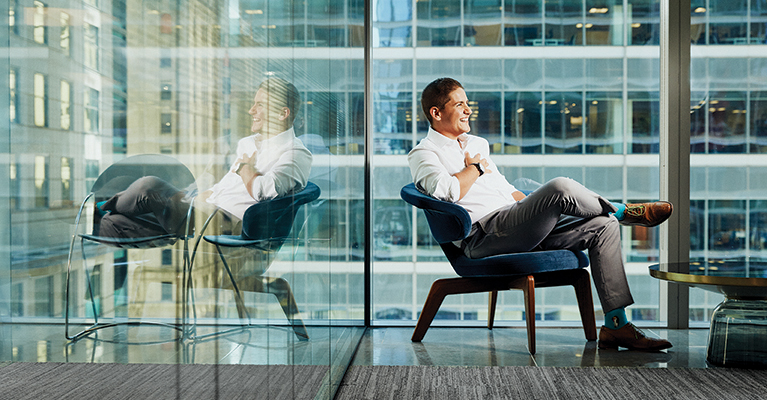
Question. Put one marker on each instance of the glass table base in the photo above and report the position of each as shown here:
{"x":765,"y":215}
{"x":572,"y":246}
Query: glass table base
{"x":738,"y":335}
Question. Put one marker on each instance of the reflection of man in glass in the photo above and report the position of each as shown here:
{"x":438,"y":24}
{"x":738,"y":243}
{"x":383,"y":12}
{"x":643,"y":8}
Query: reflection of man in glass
{"x":270,"y":163}
{"x":452,"y":165}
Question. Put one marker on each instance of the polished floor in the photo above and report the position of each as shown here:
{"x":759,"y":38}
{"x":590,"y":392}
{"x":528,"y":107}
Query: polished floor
{"x":560,"y":347}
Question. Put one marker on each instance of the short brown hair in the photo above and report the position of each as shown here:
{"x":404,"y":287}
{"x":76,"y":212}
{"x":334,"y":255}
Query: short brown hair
{"x":437,"y":94}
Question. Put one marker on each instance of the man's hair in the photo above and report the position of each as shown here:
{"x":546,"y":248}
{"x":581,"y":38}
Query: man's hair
{"x":437,"y":94}
{"x":284,"y":94}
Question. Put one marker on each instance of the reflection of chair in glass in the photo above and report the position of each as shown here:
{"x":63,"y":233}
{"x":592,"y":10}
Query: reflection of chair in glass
{"x":265,"y":227}
{"x":450,"y":222}
{"x":115,"y":179}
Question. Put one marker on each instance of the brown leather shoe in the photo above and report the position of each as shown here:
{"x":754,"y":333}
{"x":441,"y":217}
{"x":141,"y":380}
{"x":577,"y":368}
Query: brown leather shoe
{"x":647,"y":214}
{"x":631,"y":337}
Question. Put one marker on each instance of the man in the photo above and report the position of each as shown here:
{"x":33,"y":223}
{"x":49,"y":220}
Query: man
{"x":270,"y":163}
{"x":453,"y":166}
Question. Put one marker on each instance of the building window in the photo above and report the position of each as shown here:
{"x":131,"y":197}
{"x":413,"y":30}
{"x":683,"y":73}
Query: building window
{"x":13,"y":175}
{"x":165,"y":123}
{"x":91,"y":111}
{"x":67,"y":193}
{"x":41,"y":100}
{"x":41,"y":181}
{"x":167,"y":291}
{"x":13,"y":86}
{"x":167,"y":257}
{"x":17,"y":300}
{"x":44,"y":297}
{"x":165,"y":58}
{"x":91,"y":173}
{"x":65,"y":32}
{"x":40,"y":31}
{"x":66,"y":105}
{"x":165,"y":92}
{"x":91,"y":46}
{"x":12,"y":16}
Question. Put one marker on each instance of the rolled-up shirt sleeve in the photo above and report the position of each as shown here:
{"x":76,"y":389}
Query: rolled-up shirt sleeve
{"x":291,"y":170}
{"x":431,"y":177}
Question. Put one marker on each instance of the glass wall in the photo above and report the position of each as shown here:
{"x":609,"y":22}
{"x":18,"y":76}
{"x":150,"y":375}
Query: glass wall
{"x":95,"y":84}
{"x":567,"y":89}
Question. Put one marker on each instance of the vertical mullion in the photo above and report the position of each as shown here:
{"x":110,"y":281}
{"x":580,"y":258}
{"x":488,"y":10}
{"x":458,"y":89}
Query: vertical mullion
{"x":675,"y":151}
{"x":368,"y":153}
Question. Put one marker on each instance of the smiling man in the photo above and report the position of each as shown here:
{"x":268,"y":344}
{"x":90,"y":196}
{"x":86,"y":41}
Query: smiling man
{"x":451,"y":165}
{"x":271,"y":162}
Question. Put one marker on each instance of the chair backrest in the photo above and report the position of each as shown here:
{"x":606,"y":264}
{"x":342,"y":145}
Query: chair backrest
{"x":118,"y":176}
{"x":448,"y":222}
{"x":273,"y":219}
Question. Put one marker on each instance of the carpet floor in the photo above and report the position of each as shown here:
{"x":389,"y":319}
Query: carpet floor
{"x":159,"y":381}
{"x":468,"y":383}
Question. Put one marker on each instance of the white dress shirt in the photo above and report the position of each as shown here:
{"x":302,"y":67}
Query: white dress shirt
{"x":435,"y":160}
{"x":283,"y":162}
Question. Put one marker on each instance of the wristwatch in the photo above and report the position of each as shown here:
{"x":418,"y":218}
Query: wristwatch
{"x":479,"y":168}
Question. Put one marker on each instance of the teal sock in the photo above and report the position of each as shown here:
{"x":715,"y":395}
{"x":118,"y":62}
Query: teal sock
{"x":615,"y":319}
{"x":621,"y":208}
{"x":100,"y":210}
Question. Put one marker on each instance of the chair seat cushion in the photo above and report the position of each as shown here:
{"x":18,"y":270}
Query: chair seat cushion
{"x":516,"y":263}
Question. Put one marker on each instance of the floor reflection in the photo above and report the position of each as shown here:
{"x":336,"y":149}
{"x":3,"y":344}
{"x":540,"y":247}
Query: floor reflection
{"x":263,"y":345}
{"x":560,"y":347}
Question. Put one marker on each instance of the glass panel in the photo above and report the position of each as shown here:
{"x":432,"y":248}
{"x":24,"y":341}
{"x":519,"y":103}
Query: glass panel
{"x":236,"y":104}
{"x":522,"y":23}
{"x":392,"y":23}
{"x":439,"y":23}
{"x":585,"y":110}
{"x":482,"y":23}
{"x":564,"y":23}
{"x":644,"y":17}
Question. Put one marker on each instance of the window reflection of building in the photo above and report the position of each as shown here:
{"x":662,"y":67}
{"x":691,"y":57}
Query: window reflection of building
{"x":67,"y":189}
{"x":40,"y":28}
{"x":91,"y":110}
{"x":40,"y":88}
{"x":91,"y":46}
{"x":65,"y":33}
{"x":66,"y":105}
{"x":13,"y":95}
{"x":41,"y":182}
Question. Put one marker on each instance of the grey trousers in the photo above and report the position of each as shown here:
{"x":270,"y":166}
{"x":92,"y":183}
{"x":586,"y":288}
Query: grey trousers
{"x":561,"y":214}
{"x":148,"y":195}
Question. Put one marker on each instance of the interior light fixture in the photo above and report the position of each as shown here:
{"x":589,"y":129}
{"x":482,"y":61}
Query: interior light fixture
{"x":700,"y":10}
{"x":579,"y":25}
{"x":636,"y":25}
{"x":601,"y":10}
{"x":251,"y":12}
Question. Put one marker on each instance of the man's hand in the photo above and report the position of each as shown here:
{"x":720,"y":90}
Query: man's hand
{"x":245,"y":159}
{"x":467,"y":160}
{"x":247,"y":171}
{"x":517,"y":195}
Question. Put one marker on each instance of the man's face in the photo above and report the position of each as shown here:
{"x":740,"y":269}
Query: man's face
{"x":453,"y":119}
{"x":267,"y":117}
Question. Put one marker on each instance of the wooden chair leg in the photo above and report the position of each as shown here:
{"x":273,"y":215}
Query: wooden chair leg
{"x":439,"y":289}
{"x":281,"y":289}
{"x":529,"y":292}
{"x":582,"y":287}
{"x":491,"y":301}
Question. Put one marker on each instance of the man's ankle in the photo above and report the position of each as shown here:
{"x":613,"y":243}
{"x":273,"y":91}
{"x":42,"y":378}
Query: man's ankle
{"x":616,"y":319}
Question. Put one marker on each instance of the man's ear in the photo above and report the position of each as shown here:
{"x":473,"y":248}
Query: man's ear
{"x":284,"y":113}
{"x":435,"y":114}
